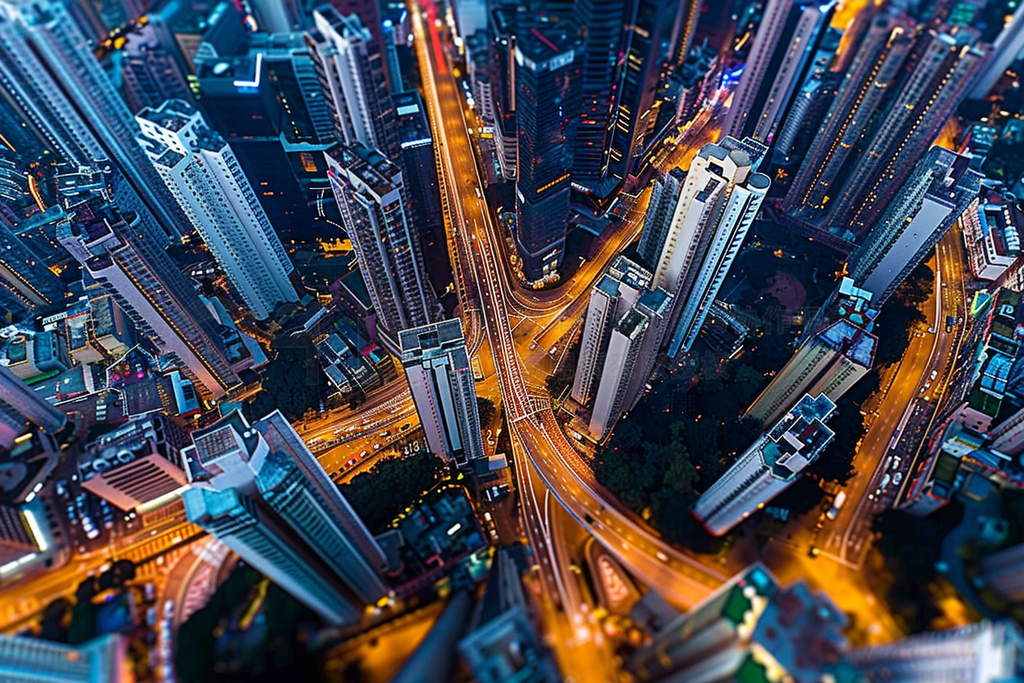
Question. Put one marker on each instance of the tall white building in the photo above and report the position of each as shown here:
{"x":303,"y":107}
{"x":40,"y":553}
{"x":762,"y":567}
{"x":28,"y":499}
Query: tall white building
{"x":624,"y":328}
{"x":441,"y":379}
{"x":27,"y":405}
{"x":766,"y":469}
{"x":939,"y":189}
{"x":202,"y":173}
{"x":713,"y":212}
{"x":259,"y":490}
{"x":352,"y":77}
{"x":49,"y":75}
{"x":979,"y":653}
{"x":369,"y":190}
{"x":101,"y":660}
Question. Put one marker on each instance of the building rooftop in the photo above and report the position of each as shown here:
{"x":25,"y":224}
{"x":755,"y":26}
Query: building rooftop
{"x":433,"y":338}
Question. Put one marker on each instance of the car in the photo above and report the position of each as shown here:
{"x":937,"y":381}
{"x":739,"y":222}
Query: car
{"x":351,"y":462}
{"x":661,"y":556}
{"x":886,"y":478}
{"x":168,"y":609}
{"x":377,"y":446}
{"x":61,"y":489}
{"x":553,"y":351}
{"x":406,"y":427}
{"x":362,"y":456}
{"x":897,"y":478}
{"x":935,"y":373}
{"x":814,"y":551}
{"x":896,"y":462}
{"x":837,"y":505}
{"x":385,"y":434}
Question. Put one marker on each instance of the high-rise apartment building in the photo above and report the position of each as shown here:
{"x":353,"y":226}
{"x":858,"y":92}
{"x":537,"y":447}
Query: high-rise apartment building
{"x":152,"y":67}
{"x":983,"y":652}
{"x":370,"y":192}
{"x":50,"y":76}
{"x":943,"y":70}
{"x":353,"y":80}
{"x":1005,"y":50}
{"x":660,"y":213}
{"x":938,"y":191}
{"x":871,"y":78}
{"x":778,"y":58}
{"x":135,"y":464}
{"x":440,"y":377}
{"x":751,"y":628}
{"x":146,"y":284}
{"x":547,"y":101}
{"x":204,"y":177}
{"x":624,"y":326}
{"x":259,"y":490}
{"x":768,"y":467}
{"x":714,"y":209}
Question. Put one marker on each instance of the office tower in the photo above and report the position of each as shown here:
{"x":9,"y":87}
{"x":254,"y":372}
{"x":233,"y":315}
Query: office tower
{"x":933,"y":197}
{"x":714,"y":209}
{"x":26,"y":284}
{"x":1005,"y":51}
{"x":647,"y":25}
{"x":602,"y":44}
{"x":768,"y":467}
{"x":292,"y":523}
{"x":503,"y":87}
{"x":60,"y":89}
{"x":140,"y":276}
{"x":875,"y":70}
{"x":352,"y":77}
{"x":751,"y":628}
{"x":268,"y":105}
{"x":29,"y":406}
{"x":983,"y":652}
{"x":419,"y":170}
{"x":683,"y":29}
{"x":658,"y":219}
{"x":203,"y":174}
{"x":150,"y":71}
{"x":785,"y":41}
{"x":370,"y":192}
{"x":246,"y":526}
{"x":925,"y":101}
{"x":100,"y":660}
{"x":547,"y":96}
{"x":437,"y":366}
{"x":135,"y":464}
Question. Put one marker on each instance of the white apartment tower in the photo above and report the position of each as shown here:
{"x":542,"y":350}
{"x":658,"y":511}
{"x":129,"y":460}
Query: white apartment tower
{"x":766,"y":469}
{"x":204,"y":176}
{"x":713,"y":212}
{"x":441,"y":379}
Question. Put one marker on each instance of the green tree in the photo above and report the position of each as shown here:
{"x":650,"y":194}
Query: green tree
{"x":485,"y":407}
{"x":681,"y":475}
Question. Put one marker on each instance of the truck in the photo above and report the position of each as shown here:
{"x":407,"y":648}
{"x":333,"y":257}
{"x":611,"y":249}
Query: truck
{"x":837,"y":505}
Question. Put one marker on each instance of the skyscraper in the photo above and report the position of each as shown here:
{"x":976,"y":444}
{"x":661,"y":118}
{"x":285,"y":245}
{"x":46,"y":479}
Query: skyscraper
{"x":203,"y":174}
{"x":353,"y":81}
{"x":713,"y":212}
{"x":28,"y":405}
{"x":151,"y":72}
{"x":113,"y":249}
{"x":437,"y":366}
{"x":778,"y":58}
{"x":292,"y":521}
{"x":547,"y":82}
{"x":248,"y":527}
{"x":768,"y":467}
{"x":1004,"y":52}
{"x":983,"y":652}
{"x":100,"y":660}
{"x":944,"y":69}
{"x":751,"y":628}
{"x":51,"y":77}
{"x":625,"y":323}
{"x":659,"y":216}
{"x":370,"y":192}
{"x":867,"y":83}
{"x":940,"y":188}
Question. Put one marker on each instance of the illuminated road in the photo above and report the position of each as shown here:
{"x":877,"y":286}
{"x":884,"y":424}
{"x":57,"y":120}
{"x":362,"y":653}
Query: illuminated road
{"x":679,"y":577}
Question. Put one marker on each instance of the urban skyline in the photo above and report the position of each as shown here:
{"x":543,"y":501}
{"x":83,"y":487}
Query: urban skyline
{"x":477,"y":340}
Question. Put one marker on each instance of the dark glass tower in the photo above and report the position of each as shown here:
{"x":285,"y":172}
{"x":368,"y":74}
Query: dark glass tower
{"x":548,"y":78}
